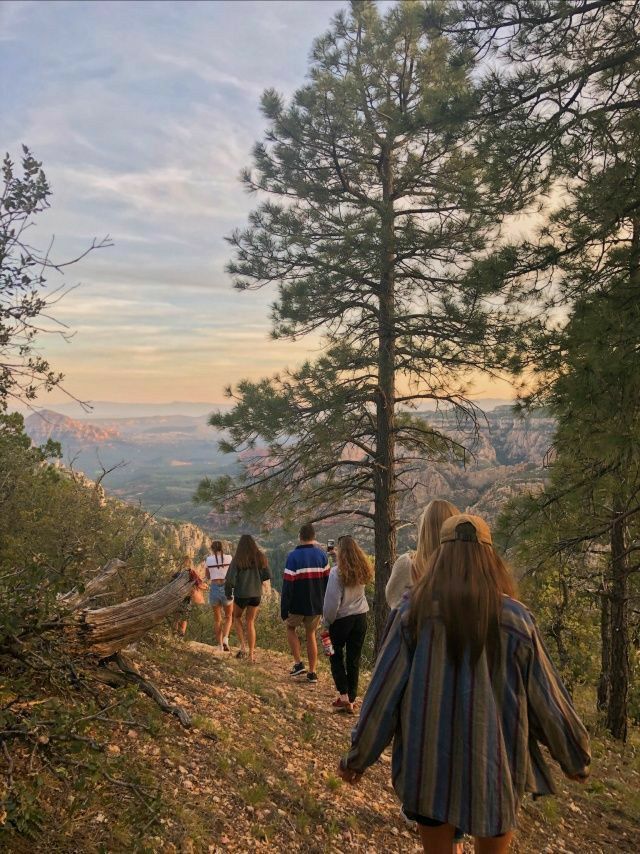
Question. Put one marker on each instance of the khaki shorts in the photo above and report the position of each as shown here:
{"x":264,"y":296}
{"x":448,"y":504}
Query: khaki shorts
{"x":310,"y":623}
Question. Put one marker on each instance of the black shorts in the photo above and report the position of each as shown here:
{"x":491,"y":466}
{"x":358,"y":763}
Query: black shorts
{"x":249,"y":602}
{"x":432,"y":822}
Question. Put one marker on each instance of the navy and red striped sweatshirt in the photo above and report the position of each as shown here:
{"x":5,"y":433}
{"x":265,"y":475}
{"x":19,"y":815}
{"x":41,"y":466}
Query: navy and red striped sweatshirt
{"x":305,"y":581}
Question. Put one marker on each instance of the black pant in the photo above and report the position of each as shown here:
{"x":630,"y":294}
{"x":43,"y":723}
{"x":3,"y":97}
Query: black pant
{"x":347,"y":632}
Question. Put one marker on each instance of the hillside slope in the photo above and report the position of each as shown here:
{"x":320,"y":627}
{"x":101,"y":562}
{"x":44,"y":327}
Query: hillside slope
{"x":258,"y":771}
{"x":282,"y":745}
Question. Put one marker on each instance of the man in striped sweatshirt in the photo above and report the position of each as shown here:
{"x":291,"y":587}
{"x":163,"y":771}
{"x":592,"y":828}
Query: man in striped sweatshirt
{"x":305,"y":581}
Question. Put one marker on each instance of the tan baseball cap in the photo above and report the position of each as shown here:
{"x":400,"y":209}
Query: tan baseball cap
{"x":448,"y":530}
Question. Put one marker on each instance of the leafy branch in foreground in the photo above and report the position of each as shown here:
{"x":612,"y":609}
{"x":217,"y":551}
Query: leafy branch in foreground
{"x":25,"y":302}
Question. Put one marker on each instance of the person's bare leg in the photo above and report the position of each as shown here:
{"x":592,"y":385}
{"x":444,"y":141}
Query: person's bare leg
{"x":493,"y":844}
{"x":228,"y":619}
{"x":458,"y":848}
{"x":312,"y":650}
{"x":237,"y":622}
{"x":252,"y":613}
{"x":437,"y":840}
{"x":217,"y":623}
{"x":181,"y":628}
{"x":294,"y":644}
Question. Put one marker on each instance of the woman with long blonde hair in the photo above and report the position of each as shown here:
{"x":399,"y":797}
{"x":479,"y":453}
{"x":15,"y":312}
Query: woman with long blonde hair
{"x":345,"y":614}
{"x":411,"y":566}
{"x":465,"y":687}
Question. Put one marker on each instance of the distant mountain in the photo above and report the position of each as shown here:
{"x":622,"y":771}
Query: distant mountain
{"x":114,"y":409}
{"x":46,"y":424}
{"x":159,"y":459}
{"x":101,"y":409}
{"x":165,"y":457}
{"x":506,"y":457}
{"x":76,"y":434}
{"x":486,"y":404}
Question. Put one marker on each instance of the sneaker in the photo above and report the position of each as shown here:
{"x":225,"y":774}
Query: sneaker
{"x":226,"y":647}
{"x":241,"y":654}
{"x":312,"y":677}
{"x":298,"y":669}
{"x":343,"y":706}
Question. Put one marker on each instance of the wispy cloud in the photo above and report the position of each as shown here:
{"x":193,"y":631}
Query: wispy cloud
{"x":144,"y":114}
{"x":207,"y":71}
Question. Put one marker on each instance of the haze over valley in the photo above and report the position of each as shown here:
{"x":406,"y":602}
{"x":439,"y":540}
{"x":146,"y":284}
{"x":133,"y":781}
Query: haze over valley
{"x":160,"y":459}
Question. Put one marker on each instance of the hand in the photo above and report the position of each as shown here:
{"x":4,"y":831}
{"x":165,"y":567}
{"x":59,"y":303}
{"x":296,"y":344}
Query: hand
{"x":348,"y":774}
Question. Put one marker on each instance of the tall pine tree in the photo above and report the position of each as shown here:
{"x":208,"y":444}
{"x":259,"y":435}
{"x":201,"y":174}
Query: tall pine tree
{"x":378,"y":202}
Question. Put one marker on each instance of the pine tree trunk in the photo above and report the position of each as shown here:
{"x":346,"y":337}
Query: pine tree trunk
{"x":604,"y":681}
{"x":620,"y":664}
{"x":384,"y":475}
{"x":558,"y":628}
{"x":617,"y":706}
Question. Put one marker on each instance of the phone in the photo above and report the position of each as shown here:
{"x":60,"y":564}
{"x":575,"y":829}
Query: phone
{"x":331,"y":544}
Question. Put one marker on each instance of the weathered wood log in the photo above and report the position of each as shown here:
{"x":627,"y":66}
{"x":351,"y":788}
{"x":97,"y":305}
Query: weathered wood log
{"x":75,"y":598}
{"x":105,"y":631}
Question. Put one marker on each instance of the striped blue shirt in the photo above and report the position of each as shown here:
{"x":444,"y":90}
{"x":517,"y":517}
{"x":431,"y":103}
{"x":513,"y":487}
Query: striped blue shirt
{"x":465,"y":743}
{"x":304,"y":581}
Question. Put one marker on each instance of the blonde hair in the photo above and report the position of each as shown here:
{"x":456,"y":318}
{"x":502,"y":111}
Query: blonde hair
{"x":354,"y":567}
{"x":429,"y":524}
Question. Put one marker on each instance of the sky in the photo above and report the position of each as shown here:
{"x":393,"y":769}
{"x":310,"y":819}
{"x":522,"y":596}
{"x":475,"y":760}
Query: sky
{"x":143,"y":114}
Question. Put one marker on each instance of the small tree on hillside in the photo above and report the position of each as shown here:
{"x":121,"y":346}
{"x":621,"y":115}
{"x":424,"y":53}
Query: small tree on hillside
{"x":378,"y":202}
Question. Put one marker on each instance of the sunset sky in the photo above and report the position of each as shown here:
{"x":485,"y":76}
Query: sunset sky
{"x":143,"y":115}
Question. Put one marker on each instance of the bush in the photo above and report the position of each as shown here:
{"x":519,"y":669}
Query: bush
{"x":56,"y":531}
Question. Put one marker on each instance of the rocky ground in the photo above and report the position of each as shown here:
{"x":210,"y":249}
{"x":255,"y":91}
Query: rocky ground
{"x":258,"y":772}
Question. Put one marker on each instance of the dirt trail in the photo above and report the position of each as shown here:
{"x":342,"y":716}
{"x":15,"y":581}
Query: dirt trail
{"x":259,"y":770}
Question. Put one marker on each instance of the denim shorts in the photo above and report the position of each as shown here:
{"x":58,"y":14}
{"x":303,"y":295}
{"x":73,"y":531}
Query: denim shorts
{"x":217,"y":597}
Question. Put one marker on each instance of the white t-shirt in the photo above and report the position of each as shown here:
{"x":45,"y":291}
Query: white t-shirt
{"x":217,"y":566}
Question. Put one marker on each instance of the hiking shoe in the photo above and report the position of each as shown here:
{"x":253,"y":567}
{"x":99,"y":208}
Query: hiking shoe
{"x":312,"y":677}
{"x":298,"y":669}
{"x":225,"y":647}
{"x":343,"y":706}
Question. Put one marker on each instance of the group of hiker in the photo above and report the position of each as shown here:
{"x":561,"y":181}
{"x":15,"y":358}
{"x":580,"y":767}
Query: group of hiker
{"x":312,"y":591}
{"x":463,"y":685}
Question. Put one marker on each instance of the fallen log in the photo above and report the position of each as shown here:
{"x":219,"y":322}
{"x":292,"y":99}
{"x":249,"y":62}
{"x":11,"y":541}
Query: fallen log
{"x":105,"y":631}
{"x":75,"y":598}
